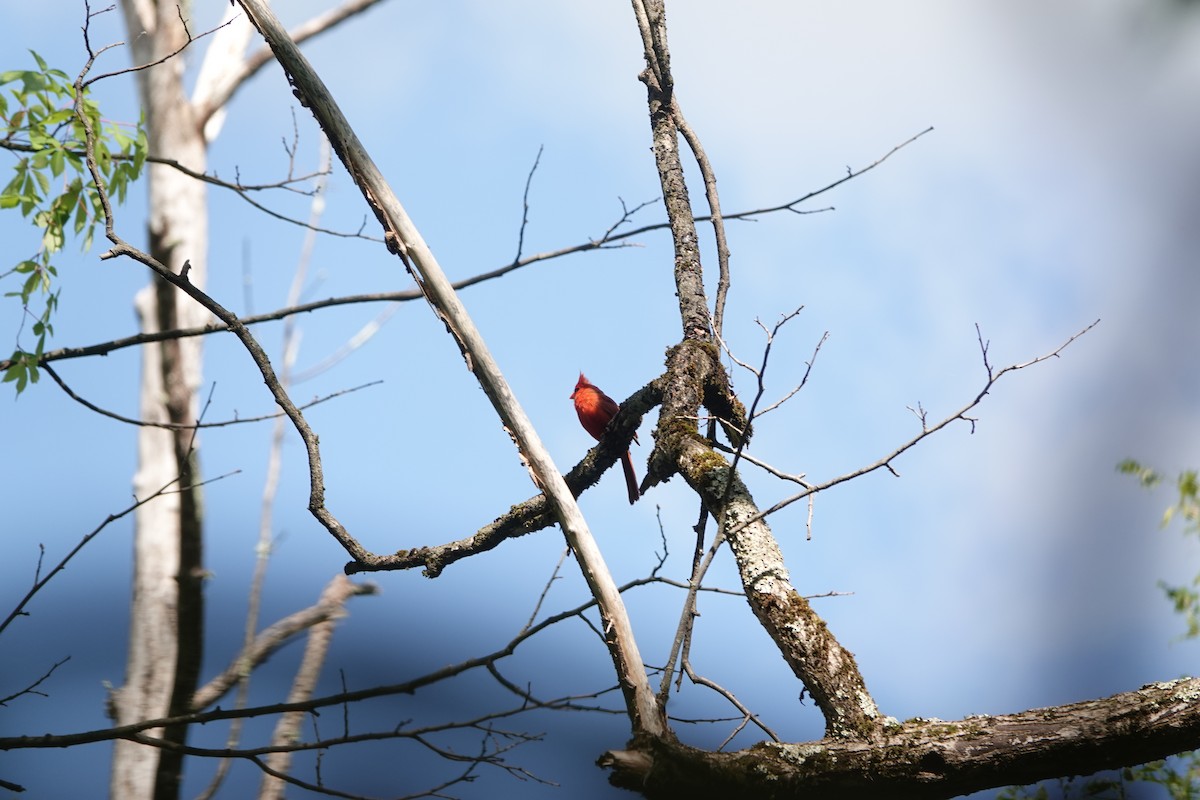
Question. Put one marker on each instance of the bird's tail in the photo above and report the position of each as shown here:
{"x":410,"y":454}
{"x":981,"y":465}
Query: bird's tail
{"x":630,"y":478}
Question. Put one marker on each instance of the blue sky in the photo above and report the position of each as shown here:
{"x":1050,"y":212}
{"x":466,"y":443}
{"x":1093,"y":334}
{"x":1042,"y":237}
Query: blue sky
{"x":1005,"y":569}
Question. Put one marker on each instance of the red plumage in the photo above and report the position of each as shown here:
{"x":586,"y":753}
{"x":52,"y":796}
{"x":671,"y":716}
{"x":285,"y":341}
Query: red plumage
{"x":596,"y":410}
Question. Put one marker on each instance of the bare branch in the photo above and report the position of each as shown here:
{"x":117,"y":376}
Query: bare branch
{"x":850,"y":175}
{"x":287,"y":728}
{"x":700,"y":564}
{"x":695,"y":319}
{"x":554,"y":576}
{"x":525,"y":206}
{"x":93,"y":54}
{"x":32,"y":688}
{"x":747,"y":714}
{"x":197,"y":425}
{"x":364,"y":334}
{"x":330,"y":606}
{"x":39,"y":583}
{"x":778,"y":473}
{"x":926,"y":430}
{"x":808,"y":365}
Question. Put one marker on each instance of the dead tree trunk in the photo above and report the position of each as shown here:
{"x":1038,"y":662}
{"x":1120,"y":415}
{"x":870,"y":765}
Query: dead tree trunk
{"x":167,"y":611}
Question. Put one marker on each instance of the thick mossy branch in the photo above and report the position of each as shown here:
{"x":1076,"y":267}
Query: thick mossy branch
{"x":816,"y":658}
{"x":930,"y":759}
{"x":689,"y":367}
{"x":694,"y":376}
{"x":723,"y":404}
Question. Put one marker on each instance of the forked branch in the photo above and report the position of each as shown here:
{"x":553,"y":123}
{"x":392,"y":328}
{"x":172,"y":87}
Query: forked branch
{"x":927,"y":430}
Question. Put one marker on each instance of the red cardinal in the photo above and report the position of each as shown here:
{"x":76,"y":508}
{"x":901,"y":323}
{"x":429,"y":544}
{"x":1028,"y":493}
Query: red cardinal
{"x":596,"y":410}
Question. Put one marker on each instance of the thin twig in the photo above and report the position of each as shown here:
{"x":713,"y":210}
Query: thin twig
{"x":808,"y":365}
{"x":747,"y":714}
{"x":926,"y":430}
{"x":93,"y":54}
{"x":38,"y":584}
{"x":32,"y":688}
{"x":525,"y":205}
{"x":197,"y":425}
{"x":554,"y":576}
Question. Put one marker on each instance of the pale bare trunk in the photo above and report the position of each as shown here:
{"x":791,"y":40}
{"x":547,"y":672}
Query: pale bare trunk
{"x":165,"y":632}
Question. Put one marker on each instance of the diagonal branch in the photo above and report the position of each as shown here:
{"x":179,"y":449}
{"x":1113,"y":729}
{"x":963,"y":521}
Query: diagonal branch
{"x":184,"y":426}
{"x":607,"y":241}
{"x":41,"y":581}
{"x":405,"y":241}
{"x":330,"y":606}
{"x":806,"y":644}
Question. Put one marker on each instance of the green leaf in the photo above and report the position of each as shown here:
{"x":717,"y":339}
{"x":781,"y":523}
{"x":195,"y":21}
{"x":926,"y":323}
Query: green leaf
{"x":59,"y":117}
{"x":1188,"y":484}
{"x":42,"y":181}
{"x":57,"y":162}
{"x":103,"y":160}
{"x":81,"y":217}
{"x":119,"y":136}
{"x":1146,"y":476}
{"x":18,"y":372}
{"x":52,"y":238}
{"x":30,"y":284}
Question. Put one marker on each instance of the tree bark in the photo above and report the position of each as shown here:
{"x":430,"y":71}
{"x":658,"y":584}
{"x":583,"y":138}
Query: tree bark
{"x":927,"y":759}
{"x":166,"y":632}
